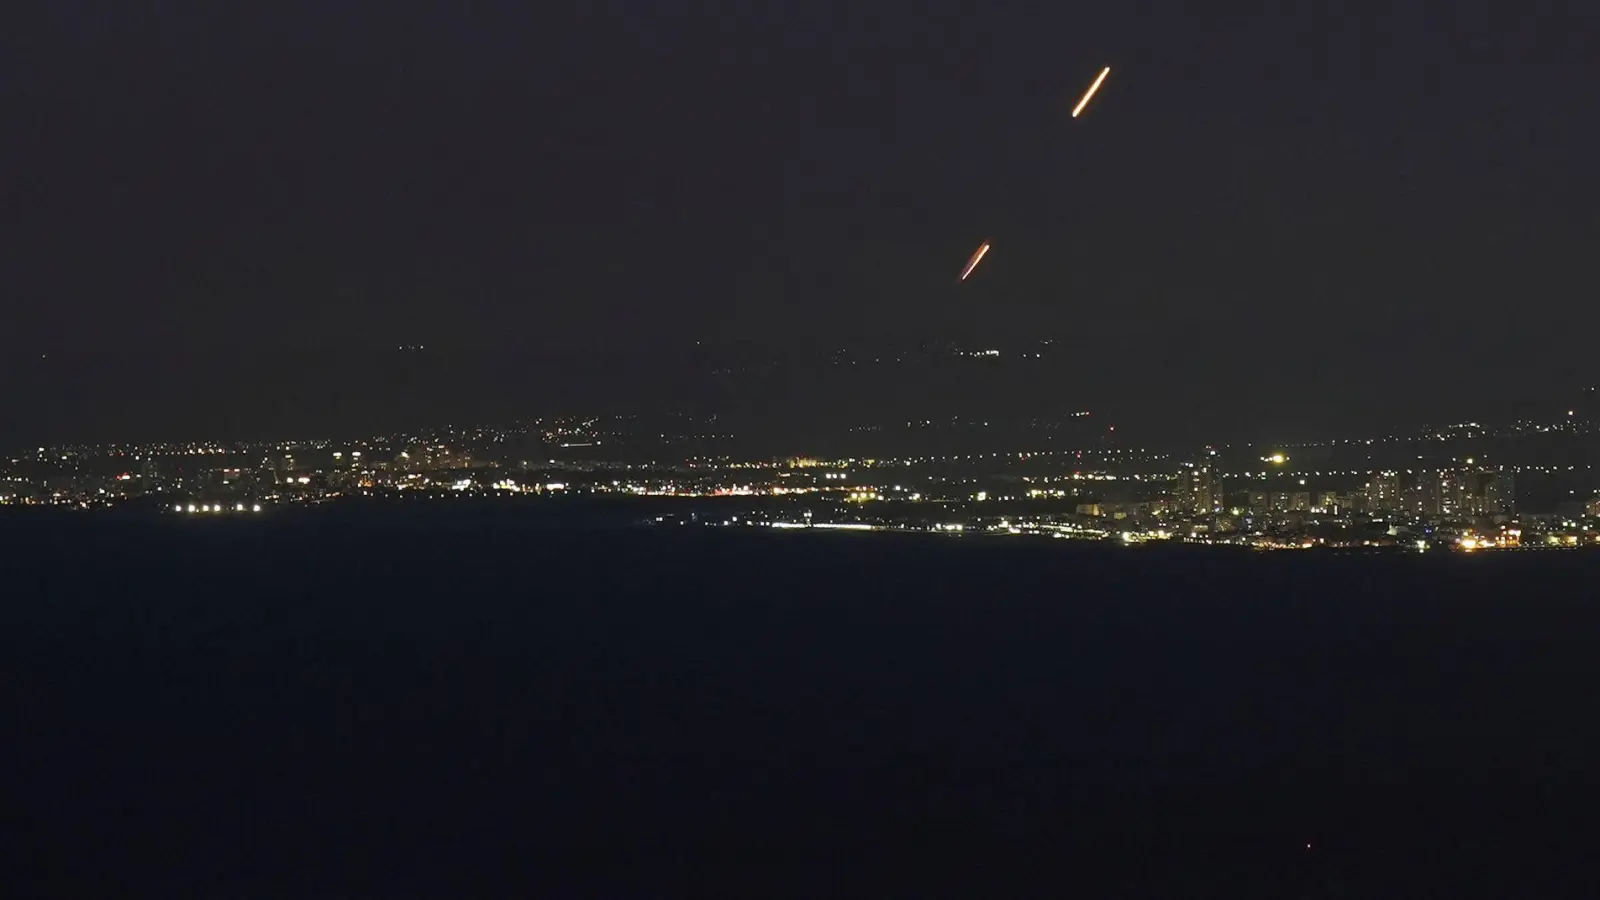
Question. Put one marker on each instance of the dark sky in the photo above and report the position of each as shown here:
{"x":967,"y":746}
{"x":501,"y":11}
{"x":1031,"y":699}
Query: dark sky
{"x":1353,"y":202}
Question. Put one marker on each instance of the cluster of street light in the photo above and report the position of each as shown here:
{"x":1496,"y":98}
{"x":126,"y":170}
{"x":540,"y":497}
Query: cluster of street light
{"x":215,"y":508}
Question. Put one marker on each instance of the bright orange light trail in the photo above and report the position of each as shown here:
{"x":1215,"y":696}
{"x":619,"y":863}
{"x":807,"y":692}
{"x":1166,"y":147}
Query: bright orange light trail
{"x":973,"y":262}
{"x":1092,"y":88}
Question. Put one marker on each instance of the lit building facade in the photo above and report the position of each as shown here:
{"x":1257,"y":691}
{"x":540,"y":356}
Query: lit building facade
{"x":1198,"y":489}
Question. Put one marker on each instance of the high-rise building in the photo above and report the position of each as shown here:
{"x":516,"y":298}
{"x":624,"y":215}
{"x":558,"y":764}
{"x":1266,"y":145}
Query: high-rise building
{"x":1499,"y":494}
{"x":1453,"y":493}
{"x":1473,"y":484}
{"x":1422,"y":499}
{"x":1356,"y":501}
{"x":1383,"y":492}
{"x":1198,"y":489}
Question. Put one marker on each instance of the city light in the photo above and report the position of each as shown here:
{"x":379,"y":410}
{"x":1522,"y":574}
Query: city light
{"x":1414,"y":497}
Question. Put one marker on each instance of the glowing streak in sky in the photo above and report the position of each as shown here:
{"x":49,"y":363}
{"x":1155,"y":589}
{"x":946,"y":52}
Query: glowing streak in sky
{"x":973,"y":262}
{"x":1092,"y":88}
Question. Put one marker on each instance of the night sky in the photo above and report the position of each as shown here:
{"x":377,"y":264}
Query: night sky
{"x":1352,"y":205}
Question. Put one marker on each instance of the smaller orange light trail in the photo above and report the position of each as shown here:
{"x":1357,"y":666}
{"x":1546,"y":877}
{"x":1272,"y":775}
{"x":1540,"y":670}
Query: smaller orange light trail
{"x":973,"y":262}
{"x":1092,"y":88}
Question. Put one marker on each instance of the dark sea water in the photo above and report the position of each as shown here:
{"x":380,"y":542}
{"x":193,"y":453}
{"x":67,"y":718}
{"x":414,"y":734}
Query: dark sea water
{"x":426,"y":705}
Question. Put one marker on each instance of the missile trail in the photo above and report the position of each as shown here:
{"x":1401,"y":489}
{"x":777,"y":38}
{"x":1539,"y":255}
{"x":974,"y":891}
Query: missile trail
{"x":973,"y":262}
{"x":1092,"y":88}
{"x":1088,"y":95}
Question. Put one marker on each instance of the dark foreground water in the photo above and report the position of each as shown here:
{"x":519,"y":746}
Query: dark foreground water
{"x":483,"y":706}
